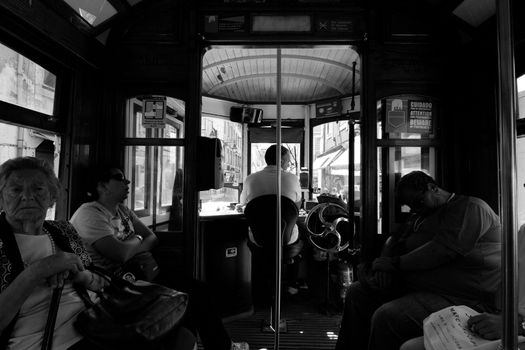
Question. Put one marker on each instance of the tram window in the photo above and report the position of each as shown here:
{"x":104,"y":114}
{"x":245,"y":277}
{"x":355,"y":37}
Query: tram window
{"x":520,"y":153}
{"x":25,"y":83}
{"x":230,"y":134}
{"x":259,"y":149}
{"x":18,"y":141}
{"x":521,"y":97}
{"x":330,"y":168}
{"x":155,"y":171}
{"x":94,"y":12}
{"x":401,"y":161}
{"x":173,"y":128}
{"x":520,"y":160}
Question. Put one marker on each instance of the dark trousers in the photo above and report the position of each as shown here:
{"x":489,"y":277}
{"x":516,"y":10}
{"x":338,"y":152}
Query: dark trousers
{"x":381,"y":321}
{"x":202,"y":316}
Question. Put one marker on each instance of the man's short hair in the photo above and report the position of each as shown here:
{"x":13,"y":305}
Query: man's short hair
{"x":415,"y":181}
{"x":271,"y":157}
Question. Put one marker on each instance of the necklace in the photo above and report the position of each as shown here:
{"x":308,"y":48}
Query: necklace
{"x":53,"y":247}
{"x":420,"y":219}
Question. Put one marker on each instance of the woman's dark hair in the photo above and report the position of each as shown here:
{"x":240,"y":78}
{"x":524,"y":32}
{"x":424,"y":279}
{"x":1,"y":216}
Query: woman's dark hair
{"x":271,"y":157}
{"x":98,"y":174}
{"x":30,"y":163}
{"x":415,"y":181}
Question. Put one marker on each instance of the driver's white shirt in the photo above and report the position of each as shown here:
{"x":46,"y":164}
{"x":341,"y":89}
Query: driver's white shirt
{"x":264,"y":182}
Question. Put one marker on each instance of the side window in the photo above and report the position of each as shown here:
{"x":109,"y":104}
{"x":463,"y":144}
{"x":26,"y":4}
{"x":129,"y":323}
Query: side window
{"x":230,"y":134}
{"x":154,"y":149}
{"x":407,"y":141}
{"x":331,"y":144}
{"x":25,"y":83}
{"x":28,"y":85}
{"x":258,"y":150}
{"x":18,"y":141}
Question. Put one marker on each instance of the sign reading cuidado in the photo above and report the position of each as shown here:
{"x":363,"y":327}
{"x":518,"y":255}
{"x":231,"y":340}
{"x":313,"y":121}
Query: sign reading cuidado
{"x":410,"y":115}
{"x":154,"y":112}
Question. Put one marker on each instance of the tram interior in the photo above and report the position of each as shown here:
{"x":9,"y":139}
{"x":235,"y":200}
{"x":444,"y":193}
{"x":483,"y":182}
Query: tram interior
{"x":77,"y":77}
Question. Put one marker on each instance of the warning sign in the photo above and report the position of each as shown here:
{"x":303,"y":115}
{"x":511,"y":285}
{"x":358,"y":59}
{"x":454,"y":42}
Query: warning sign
{"x":154,"y":112}
{"x":410,"y":116}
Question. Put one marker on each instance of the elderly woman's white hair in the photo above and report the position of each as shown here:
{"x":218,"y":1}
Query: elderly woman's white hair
{"x":30,"y":163}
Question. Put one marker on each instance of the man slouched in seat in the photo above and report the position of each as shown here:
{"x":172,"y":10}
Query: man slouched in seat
{"x":448,"y":253}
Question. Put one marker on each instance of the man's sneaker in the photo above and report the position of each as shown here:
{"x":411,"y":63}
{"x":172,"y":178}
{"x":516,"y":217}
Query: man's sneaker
{"x":240,"y":346}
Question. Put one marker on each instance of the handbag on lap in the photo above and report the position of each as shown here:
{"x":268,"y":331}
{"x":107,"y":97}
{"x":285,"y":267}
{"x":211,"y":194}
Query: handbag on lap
{"x":142,"y":266}
{"x":130,"y":315}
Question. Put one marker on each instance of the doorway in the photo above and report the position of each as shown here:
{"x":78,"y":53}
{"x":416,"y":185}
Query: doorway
{"x":313,"y":112}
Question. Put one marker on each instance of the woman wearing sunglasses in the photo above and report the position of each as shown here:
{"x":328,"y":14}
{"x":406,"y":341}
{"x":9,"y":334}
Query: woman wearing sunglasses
{"x":114,"y":235}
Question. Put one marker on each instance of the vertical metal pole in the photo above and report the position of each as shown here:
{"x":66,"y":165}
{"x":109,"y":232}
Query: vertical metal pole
{"x":154,"y":180}
{"x":278,"y":241}
{"x":507,"y":165}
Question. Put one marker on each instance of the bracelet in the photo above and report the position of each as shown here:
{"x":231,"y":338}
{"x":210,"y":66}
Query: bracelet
{"x":140,"y":238}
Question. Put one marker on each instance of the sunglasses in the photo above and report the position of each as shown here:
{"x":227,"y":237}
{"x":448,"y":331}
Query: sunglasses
{"x":118,"y":177}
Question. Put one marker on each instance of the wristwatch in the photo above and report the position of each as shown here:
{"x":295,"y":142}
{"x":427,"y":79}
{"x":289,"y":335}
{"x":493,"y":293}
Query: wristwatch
{"x":140,"y":238}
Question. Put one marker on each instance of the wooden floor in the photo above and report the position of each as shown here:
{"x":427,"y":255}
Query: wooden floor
{"x":310,"y":326}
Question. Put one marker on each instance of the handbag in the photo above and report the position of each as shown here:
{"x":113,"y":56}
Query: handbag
{"x":142,"y":266}
{"x":130,"y":315}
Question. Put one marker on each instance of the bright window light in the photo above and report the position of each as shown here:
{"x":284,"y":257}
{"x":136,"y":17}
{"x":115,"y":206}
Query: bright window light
{"x":92,"y":11}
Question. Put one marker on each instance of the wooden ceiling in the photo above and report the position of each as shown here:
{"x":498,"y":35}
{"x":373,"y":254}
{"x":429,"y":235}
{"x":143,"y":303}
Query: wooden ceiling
{"x":308,"y":74}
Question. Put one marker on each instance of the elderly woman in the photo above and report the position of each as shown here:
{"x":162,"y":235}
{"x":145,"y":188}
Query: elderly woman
{"x":114,"y":234}
{"x":33,"y":262}
{"x":35,"y":257}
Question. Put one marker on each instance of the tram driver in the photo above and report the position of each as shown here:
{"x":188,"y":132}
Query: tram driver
{"x":264,"y":183}
{"x":448,"y":253}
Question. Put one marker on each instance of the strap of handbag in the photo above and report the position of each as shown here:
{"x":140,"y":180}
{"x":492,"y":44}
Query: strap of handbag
{"x":47,"y":342}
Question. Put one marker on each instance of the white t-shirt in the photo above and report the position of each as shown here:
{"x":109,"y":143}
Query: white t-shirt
{"x":264,"y":182}
{"x":93,"y":221}
{"x":30,"y":324}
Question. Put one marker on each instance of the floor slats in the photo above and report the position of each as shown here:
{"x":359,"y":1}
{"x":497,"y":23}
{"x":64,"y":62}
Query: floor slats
{"x":308,"y":328}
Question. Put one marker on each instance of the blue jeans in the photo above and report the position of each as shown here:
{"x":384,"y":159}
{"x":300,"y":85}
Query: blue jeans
{"x":375,"y":320}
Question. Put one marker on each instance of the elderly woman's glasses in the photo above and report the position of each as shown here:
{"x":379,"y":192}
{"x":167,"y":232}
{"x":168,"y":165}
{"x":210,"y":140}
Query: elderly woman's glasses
{"x":118,"y":177}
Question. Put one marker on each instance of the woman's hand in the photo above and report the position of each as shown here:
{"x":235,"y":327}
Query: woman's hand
{"x":55,"y":269}
{"x":488,"y":326}
{"x":90,"y":280}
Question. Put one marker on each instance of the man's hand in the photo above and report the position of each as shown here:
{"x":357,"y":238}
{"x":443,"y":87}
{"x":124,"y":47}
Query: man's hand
{"x":488,"y":326}
{"x":384,"y":264}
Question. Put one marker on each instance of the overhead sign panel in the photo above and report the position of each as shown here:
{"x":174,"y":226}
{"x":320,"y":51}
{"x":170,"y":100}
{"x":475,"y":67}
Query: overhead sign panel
{"x":224,"y":24}
{"x":328,"y":109}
